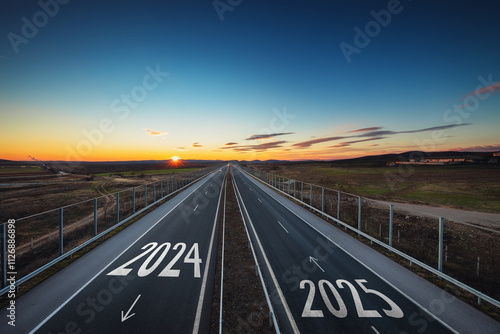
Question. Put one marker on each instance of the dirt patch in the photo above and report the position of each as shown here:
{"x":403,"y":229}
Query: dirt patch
{"x":245,"y":308}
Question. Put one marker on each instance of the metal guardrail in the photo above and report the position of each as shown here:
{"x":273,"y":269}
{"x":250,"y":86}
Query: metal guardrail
{"x":478,"y":294}
{"x":257,"y":267}
{"x":63,"y":255}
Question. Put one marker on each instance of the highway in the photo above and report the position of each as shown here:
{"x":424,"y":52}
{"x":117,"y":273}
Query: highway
{"x":315,"y":286}
{"x":157,"y":275}
{"x":161,"y":283}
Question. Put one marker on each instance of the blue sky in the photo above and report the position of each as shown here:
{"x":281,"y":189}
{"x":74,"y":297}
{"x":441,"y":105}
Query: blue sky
{"x":230,"y":79}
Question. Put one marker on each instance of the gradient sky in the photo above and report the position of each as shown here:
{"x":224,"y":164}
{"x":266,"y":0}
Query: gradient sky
{"x":252,"y":80}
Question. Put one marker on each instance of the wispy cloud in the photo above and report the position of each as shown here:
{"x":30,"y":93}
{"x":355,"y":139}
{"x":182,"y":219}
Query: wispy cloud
{"x":197,"y":144}
{"x":390,"y":133}
{"x":373,"y":128}
{"x":180,"y":148}
{"x":348,"y":143}
{"x":309,"y":143}
{"x":152,"y":132}
{"x":488,"y":89}
{"x":269,"y":135}
{"x":373,"y":132}
{"x":256,"y":147}
{"x":4,"y":57}
{"x":230,"y":143}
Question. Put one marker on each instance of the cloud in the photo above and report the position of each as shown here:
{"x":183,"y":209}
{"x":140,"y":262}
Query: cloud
{"x":197,"y":144}
{"x":180,"y":148}
{"x":155,"y":133}
{"x":373,"y":128}
{"x":309,"y":143}
{"x":230,"y":143}
{"x":256,"y":147}
{"x":390,"y":133}
{"x":267,"y":136}
{"x":348,"y":143}
{"x":489,"y":89}
{"x":372,"y":132}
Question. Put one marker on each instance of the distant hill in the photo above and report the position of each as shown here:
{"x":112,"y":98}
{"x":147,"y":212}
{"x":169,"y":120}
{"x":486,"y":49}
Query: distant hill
{"x":381,"y":160}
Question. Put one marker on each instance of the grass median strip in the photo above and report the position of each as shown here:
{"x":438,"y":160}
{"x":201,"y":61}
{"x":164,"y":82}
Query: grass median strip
{"x":245,"y":308}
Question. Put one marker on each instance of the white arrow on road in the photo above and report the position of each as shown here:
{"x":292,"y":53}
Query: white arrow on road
{"x":126,"y":316}
{"x":312,"y":259}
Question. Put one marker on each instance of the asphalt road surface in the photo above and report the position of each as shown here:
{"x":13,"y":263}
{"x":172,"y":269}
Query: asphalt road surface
{"x":317,"y":287}
{"x":159,"y":283}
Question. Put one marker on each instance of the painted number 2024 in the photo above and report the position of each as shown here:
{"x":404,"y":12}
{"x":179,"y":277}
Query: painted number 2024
{"x":341,"y":311}
{"x":191,"y":257}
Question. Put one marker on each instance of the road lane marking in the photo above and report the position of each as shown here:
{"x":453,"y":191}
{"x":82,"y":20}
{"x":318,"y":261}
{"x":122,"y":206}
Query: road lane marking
{"x":111,"y":262}
{"x":312,"y":259}
{"x":375,"y":330}
{"x":126,"y":316}
{"x":259,"y":199}
{"x":197,"y":319}
{"x":196,"y":207}
{"x":271,"y":272}
{"x":282,"y":226}
{"x":265,"y":189}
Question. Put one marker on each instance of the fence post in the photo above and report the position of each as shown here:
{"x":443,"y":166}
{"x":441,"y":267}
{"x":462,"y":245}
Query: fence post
{"x":440,"y":249}
{"x":61,"y":219}
{"x":4,"y":255}
{"x":323,"y":199}
{"x":133,"y":195}
{"x":390,"y":224}
{"x":338,"y":204}
{"x":311,"y":198}
{"x":154,"y":192}
{"x":359,"y":213}
{"x":301,"y":191}
{"x":95,"y":217}
{"x":167,"y":185}
{"x":294,"y":183}
{"x":161,"y":188}
{"x":145,"y":195}
{"x":117,"y":208}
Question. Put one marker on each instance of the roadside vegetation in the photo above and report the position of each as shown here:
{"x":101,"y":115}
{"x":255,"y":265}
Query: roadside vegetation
{"x":467,"y":187}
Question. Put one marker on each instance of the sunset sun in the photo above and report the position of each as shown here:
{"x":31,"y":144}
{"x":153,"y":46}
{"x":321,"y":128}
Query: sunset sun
{"x":175,"y":158}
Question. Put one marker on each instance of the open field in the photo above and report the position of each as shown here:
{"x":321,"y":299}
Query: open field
{"x":473,"y":187}
{"x":148,"y":172}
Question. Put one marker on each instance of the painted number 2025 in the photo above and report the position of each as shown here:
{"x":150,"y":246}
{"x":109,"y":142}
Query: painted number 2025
{"x":341,"y":310}
{"x":146,"y":268}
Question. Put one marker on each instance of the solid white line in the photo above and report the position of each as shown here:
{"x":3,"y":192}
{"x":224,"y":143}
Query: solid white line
{"x":282,"y":226}
{"x":375,"y":330}
{"x":222,"y":261}
{"x":206,"y":192}
{"x":106,"y":267}
{"x":196,"y":207}
{"x":259,"y":199}
{"x":364,"y":265}
{"x":273,"y":277}
{"x":197,"y":319}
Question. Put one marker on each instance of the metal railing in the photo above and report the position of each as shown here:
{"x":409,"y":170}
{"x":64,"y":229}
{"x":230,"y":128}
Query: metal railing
{"x":42,"y":240}
{"x":315,"y":200}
